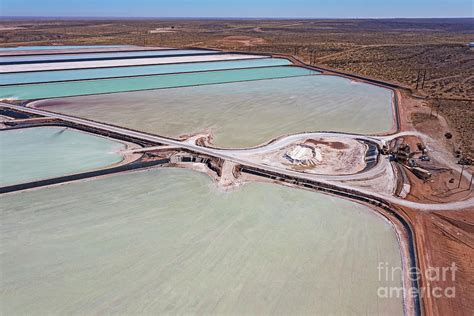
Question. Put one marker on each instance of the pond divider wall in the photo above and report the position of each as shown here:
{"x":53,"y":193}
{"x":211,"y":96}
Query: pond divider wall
{"x":49,"y":61}
{"x":140,"y":164}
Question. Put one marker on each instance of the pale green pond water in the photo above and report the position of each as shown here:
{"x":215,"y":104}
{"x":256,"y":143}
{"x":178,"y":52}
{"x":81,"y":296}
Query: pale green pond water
{"x":169,"y":242}
{"x":30,"y":154}
{"x":245,"y":113}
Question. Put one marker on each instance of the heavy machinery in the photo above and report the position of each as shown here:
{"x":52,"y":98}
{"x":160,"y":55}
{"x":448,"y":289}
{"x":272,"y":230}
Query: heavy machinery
{"x":402,"y":154}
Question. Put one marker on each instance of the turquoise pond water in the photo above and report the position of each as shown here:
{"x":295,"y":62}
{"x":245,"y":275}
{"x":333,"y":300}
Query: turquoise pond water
{"x":63,"y":89}
{"x":30,"y":154}
{"x":95,"y":56}
{"x":6,"y":49}
{"x":80,"y":74}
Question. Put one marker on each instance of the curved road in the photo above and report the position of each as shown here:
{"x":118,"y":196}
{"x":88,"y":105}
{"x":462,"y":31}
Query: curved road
{"x":237,"y":157}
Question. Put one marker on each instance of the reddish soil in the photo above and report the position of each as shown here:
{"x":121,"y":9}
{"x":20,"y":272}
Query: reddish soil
{"x":242,"y":41}
{"x":444,"y":238}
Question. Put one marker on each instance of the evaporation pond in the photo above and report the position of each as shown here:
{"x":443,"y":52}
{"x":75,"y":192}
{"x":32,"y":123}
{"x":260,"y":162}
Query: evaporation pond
{"x":31,"y":154}
{"x":167,"y":241}
{"x":98,"y":56}
{"x":101,"y":86}
{"x":244,"y":113}
{"x":95,"y":73}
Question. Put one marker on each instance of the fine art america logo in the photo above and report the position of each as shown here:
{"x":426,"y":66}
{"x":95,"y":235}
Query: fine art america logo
{"x":444,"y":275}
